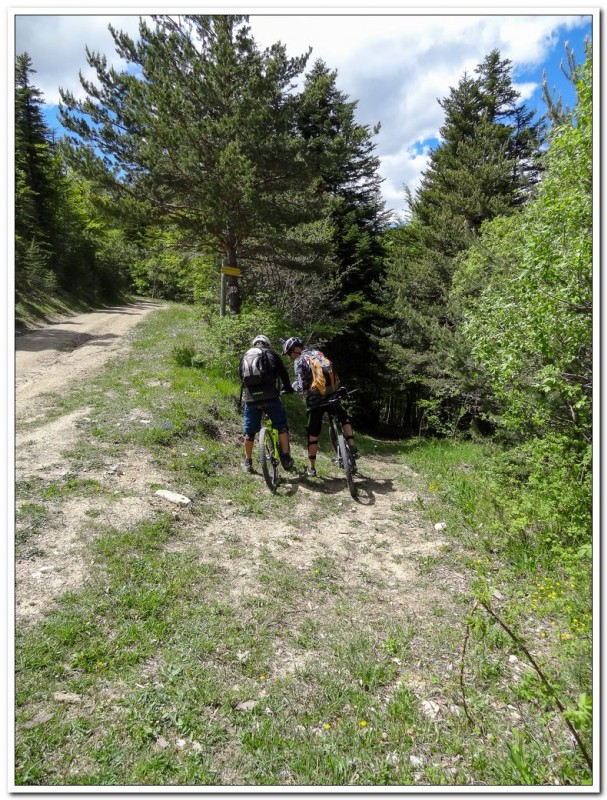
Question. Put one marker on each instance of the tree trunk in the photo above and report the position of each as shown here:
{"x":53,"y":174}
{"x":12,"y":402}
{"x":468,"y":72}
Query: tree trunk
{"x":234,"y":298}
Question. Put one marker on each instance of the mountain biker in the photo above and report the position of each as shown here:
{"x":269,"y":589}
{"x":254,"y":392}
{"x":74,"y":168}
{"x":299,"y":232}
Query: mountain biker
{"x":293,"y":347}
{"x":265,"y":395}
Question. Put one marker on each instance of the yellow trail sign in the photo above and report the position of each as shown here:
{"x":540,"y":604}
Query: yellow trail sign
{"x":230,"y":271}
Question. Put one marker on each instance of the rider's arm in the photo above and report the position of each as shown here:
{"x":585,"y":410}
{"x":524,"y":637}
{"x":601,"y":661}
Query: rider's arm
{"x":302,"y":375}
{"x":282,"y":374}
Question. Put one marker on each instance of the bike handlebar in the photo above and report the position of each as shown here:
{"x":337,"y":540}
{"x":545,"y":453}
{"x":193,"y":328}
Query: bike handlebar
{"x":340,"y":393}
{"x":343,"y":392}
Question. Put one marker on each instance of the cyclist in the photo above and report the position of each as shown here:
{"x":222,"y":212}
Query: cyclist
{"x":265,"y":394}
{"x":293,"y":347}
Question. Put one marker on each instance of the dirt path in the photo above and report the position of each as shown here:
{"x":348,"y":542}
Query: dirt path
{"x":378,"y":539}
{"x":49,"y":360}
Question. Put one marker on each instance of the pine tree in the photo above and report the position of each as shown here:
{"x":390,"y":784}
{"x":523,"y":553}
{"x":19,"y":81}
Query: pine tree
{"x":485,"y":166}
{"x":199,"y":129}
{"x":342,"y":153}
{"x":36,"y":191}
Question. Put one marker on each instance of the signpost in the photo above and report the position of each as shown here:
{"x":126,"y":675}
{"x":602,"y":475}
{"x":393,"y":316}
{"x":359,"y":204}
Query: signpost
{"x":227,"y":282}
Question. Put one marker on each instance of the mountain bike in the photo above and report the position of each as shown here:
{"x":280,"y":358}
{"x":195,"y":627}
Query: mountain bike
{"x":343,"y":452}
{"x":269,"y":452}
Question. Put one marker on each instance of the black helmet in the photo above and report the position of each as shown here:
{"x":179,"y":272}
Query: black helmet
{"x":288,"y":346}
{"x":261,"y":341}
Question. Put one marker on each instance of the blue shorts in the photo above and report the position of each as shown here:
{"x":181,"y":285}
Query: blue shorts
{"x":252,"y":417}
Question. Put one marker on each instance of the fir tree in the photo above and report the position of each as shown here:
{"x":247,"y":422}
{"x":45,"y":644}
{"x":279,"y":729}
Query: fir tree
{"x":342,"y":153}
{"x":485,"y":166}
{"x":36,"y":190}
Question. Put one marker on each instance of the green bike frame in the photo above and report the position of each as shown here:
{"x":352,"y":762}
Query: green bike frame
{"x":269,"y":454}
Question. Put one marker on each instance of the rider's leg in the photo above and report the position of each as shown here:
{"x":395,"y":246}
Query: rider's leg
{"x":312,"y":450}
{"x":314,"y":426}
{"x":248,"y":447}
{"x":252,"y":424}
{"x":278,"y":415}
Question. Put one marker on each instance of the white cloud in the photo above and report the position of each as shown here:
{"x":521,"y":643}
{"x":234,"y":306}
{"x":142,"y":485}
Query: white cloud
{"x":402,"y":169}
{"x":56,"y":44}
{"x":525,"y":90}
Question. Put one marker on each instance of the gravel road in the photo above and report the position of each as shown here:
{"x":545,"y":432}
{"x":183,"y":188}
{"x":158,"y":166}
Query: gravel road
{"x":51,"y":357}
{"x":48,"y":360}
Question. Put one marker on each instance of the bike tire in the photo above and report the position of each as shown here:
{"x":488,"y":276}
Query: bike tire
{"x":345,"y":462}
{"x":269,"y":462}
{"x":333,"y":437}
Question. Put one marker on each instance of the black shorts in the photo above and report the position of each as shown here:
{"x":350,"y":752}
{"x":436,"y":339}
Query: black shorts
{"x":314,"y":418}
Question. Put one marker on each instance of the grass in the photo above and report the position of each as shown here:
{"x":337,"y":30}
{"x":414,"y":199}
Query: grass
{"x":304,"y":675}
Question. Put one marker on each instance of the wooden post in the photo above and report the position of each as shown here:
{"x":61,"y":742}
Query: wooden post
{"x":222,"y":302}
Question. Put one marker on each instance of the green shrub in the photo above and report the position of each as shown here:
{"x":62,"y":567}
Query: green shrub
{"x":183,"y":355}
{"x":227,"y":338}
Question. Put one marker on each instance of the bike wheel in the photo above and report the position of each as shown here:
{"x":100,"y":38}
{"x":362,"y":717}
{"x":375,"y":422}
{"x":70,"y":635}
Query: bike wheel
{"x":345,"y":462}
{"x":333,"y":437}
{"x":269,"y":461}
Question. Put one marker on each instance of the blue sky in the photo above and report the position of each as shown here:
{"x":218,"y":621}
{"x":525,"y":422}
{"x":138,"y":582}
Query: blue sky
{"x":395,"y":65}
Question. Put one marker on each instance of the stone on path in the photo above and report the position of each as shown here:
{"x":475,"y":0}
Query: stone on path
{"x":174,"y":497}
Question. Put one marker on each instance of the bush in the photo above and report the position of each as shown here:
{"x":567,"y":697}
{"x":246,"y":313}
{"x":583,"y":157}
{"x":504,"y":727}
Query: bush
{"x":227,"y":338}
{"x":183,"y":355}
{"x":550,"y":484}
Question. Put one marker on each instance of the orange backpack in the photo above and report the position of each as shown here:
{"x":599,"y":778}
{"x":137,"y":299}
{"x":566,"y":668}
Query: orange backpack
{"x":324,"y":378}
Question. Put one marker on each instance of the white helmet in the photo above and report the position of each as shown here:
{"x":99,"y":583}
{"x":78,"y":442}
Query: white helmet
{"x":261,"y":341}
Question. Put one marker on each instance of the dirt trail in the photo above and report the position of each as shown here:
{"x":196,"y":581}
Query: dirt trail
{"x":50,"y":359}
{"x":379,"y":538}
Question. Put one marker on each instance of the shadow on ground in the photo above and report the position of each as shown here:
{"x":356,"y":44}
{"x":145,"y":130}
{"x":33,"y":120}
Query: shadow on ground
{"x":367,"y":486}
{"x":60,"y":340}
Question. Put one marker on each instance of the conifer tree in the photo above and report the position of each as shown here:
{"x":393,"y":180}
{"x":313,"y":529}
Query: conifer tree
{"x":342,"y":153}
{"x":35,"y":185}
{"x":485,"y":166}
{"x":199,"y":129}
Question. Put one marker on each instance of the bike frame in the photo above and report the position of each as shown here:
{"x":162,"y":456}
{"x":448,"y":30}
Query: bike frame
{"x":266,"y":423}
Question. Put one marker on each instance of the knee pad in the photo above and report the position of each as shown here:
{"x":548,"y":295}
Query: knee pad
{"x":249,"y":438}
{"x":282,"y":430}
{"x":312,"y":441}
